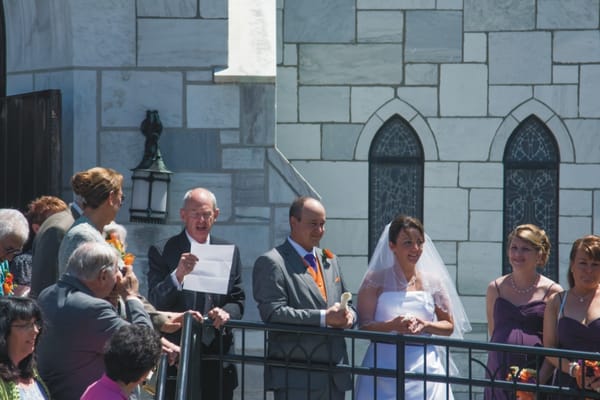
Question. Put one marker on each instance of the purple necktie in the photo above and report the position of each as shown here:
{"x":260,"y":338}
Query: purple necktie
{"x":310,"y":259}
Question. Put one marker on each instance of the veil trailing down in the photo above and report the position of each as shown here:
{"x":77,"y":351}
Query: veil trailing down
{"x":429,"y":296}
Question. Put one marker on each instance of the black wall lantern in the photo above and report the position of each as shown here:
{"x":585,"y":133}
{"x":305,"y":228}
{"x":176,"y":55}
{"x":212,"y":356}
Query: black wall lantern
{"x":150,"y":191}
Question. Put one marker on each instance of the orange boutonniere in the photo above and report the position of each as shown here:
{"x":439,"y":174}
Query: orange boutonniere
{"x":327,"y":254}
{"x":525,"y":375}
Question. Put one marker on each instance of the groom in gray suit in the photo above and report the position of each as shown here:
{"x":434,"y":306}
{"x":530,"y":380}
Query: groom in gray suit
{"x":299,"y":283}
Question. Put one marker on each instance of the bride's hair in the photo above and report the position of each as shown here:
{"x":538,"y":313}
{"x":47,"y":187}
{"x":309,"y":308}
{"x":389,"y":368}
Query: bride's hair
{"x":403,"y":222}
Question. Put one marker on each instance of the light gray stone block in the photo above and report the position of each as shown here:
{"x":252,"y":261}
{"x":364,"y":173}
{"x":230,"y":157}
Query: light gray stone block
{"x":249,"y":187}
{"x":364,"y":101}
{"x":423,"y":99}
{"x":324,"y":103}
{"x":213,"y":8}
{"x":199,"y":76}
{"x":485,"y":226}
{"x":257,"y":118}
{"x":279,"y":190}
{"x":126,"y":95}
{"x":577,"y":176}
{"x":464,"y":139}
{"x":287,"y":94}
{"x":433,"y":36}
{"x":480,"y":175}
{"x":46,"y":44}
{"x":167,"y":8}
{"x":575,"y":203}
{"x":290,"y":54}
{"x":299,"y":141}
{"x":120,"y":150}
{"x":19,"y":83}
{"x":182,"y":42}
{"x":294,"y":179}
{"x":441,"y":174}
{"x":576,"y":46}
{"x":470,"y":80}
{"x":589,"y":91}
{"x":253,"y":214}
{"x":562,"y":99}
{"x":85,"y":119}
{"x":567,"y":14}
{"x":281,"y":222}
{"x":243,"y":158}
{"x":380,"y":26}
{"x":327,"y":177}
{"x":421,"y":74}
{"x":347,"y":237}
{"x":190,"y":149}
{"x":230,"y":136}
{"x":449,"y":4}
{"x":584,"y":134}
{"x":504,"y":98}
{"x":486,"y":199}
{"x":531,"y":49}
{"x":316,"y":21}
{"x":395,"y":4}
{"x":371,"y":64}
{"x":446,"y":213}
{"x":572,"y":228}
{"x":565,"y":74}
{"x":493,"y":15}
{"x":213,"y":106}
{"x":353,"y":268}
{"x":339,"y":141}
{"x":476,"y":271}
{"x":103,"y":33}
{"x":475,"y":47}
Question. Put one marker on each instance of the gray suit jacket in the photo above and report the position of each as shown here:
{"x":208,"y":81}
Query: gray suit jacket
{"x":70,"y":351}
{"x":286,"y":293}
{"x":44,"y":268}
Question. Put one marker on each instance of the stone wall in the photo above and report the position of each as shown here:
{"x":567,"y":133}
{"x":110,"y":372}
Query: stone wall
{"x":463,"y":73}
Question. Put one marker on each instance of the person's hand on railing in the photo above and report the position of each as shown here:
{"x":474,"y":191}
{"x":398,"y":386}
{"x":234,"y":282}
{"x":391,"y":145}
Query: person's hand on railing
{"x":218,"y":316}
{"x":174,"y":320}
{"x":171,"y":350}
{"x":336,"y":317}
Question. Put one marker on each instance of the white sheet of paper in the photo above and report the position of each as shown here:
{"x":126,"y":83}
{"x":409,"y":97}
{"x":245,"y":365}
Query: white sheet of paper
{"x":211,"y":272}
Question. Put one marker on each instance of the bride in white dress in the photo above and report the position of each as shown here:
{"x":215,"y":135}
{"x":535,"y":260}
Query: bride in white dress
{"x":407,"y":290}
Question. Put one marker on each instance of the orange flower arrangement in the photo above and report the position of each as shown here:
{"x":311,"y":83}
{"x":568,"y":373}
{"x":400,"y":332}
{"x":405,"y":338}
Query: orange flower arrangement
{"x":327,"y":253}
{"x":592,"y":368}
{"x":113,"y":239}
{"x":6,"y":278}
{"x":524,"y":375}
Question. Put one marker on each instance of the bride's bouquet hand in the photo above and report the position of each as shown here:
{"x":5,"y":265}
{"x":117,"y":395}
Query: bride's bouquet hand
{"x":401,"y":324}
{"x":417,"y":326}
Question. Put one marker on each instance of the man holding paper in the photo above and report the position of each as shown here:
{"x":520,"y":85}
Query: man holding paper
{"x":195,"y":270}
{"x":299,"y":283}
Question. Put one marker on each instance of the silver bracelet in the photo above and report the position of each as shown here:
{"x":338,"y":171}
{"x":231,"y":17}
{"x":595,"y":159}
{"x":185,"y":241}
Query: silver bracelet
{"x":572,"y":366}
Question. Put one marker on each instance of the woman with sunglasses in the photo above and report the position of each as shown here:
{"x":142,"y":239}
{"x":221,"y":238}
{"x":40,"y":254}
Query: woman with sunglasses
{"x":20,"y":327}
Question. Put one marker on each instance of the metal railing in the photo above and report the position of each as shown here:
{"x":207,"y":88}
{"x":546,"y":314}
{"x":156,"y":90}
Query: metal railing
{"x":251,"y":357}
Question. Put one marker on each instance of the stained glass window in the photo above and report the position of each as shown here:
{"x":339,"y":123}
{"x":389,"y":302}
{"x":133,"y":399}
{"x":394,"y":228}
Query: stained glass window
{"x":531,"y":161}
{"x":395,"y":176}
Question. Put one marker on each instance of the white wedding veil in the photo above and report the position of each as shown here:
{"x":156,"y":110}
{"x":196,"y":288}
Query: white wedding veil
{"x":432,"y":272}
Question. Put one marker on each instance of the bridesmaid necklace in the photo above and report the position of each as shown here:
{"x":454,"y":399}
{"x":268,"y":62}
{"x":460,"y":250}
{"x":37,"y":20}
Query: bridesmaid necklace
{"x":527,"y":289}
{"x":582,"y":298}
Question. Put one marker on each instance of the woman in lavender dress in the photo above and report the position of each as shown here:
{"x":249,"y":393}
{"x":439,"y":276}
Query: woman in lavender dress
{"x":572,"y":318}
{"x":515,"y":307}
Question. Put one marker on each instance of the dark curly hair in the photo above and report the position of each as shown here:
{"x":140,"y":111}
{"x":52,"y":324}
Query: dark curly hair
{"x":17,"y":309}
{"x":403,"y":222}
{"x":132,"y":352}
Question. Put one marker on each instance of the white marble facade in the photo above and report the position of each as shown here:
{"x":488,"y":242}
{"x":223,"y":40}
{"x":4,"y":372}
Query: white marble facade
{"x":464,"y":73}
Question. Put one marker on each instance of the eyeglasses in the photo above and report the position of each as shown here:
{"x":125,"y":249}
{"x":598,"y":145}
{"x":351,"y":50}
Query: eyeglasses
{"x":29,"y":325}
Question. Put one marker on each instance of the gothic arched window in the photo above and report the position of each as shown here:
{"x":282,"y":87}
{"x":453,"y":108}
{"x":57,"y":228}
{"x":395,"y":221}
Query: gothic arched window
{"x":531,"y":161}
{"x":395,"y":176}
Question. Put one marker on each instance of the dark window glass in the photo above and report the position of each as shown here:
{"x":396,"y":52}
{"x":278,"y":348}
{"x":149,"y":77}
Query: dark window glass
{"x":531,"y":161}
{"x":395,"y":176}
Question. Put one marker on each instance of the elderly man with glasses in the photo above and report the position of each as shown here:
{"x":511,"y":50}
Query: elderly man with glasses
{"x":14,"y":231}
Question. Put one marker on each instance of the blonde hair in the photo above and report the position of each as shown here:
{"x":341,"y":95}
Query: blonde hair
{"x":95,"y":185}
{"x":535,"y":236}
